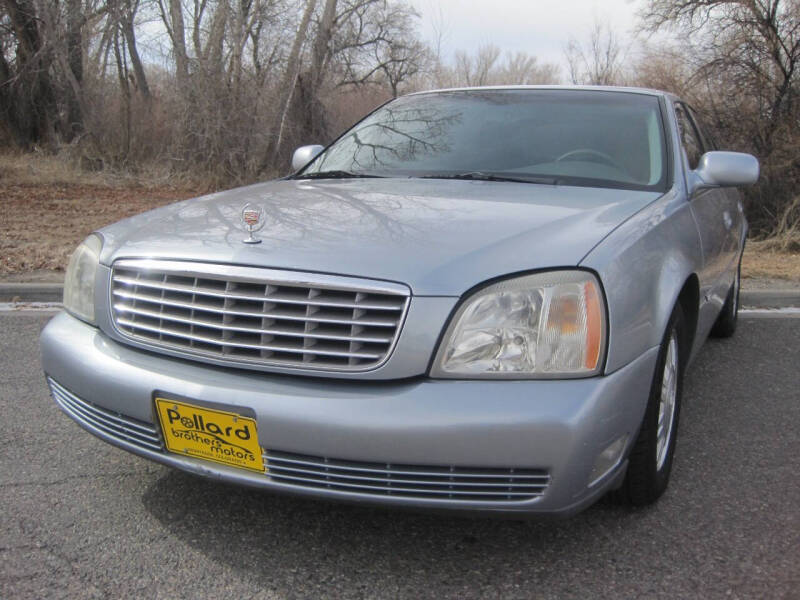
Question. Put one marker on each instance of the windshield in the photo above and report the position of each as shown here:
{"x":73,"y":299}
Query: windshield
{"x":569,"y":137}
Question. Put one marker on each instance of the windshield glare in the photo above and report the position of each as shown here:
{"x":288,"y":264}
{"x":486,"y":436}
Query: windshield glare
{"x":574,"y":137}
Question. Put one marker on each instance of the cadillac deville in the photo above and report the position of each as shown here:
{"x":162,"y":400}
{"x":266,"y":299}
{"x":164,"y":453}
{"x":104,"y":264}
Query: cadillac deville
{"x":478,"y":299}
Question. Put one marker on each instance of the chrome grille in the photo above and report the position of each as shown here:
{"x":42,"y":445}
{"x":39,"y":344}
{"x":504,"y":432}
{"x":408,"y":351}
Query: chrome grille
{"x":242,"y":314}
{"x":412,"y":481}
{"x":141,"y":434}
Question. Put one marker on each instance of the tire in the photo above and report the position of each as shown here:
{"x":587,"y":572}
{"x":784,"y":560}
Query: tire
{"x":725,"y":325}
{"x":651,"y":457}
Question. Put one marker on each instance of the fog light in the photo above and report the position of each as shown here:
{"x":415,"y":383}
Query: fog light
{"x":608,"y":459}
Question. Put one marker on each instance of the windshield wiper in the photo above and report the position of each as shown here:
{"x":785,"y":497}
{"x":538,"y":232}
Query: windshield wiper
{"x":338,"y":174}
{"x":484,"y":176}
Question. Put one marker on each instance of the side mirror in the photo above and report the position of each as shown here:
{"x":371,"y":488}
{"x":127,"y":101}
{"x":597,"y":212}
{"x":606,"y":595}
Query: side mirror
{"x":304,"y":155}
{"x":724,"y":169}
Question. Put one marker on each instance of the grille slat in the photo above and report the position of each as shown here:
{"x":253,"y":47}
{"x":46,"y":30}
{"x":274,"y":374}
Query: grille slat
{"x":407,"y":470}
{"x":124,"y":428}
{"x":397,"y":480}
{"x":416,"y":481}
{"x":321,"y":318}
{"x":271,"y":297}
{"x":241,"y":314}
{"x":390,"y":490}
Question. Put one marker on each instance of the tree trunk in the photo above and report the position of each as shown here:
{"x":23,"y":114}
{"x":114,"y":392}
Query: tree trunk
{"x":122,"y":76}
{"x":216,"y":38}
{"x":179,"y":44}
{"x":74,"y":65}
{"x":126,"y":23}
{"x":288,"y":82}
{"x":33,"y":109}
{"x":321,"y":43}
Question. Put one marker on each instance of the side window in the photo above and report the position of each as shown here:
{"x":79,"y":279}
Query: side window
{"x":689,"y":137}
{"x":708,"y":142}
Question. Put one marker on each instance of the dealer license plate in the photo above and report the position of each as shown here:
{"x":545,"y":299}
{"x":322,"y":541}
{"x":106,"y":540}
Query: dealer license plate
{"x":219,"y":436}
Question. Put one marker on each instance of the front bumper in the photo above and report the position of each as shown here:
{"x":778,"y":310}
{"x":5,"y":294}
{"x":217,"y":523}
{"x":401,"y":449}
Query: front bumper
{"x":559,"y":427}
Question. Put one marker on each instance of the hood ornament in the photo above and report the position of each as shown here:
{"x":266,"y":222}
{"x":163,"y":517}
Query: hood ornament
{"x":253,"y":219}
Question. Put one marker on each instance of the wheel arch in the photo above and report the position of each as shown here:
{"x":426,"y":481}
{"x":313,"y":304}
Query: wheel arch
{"x":646,"y":266}
{"x":689,"y":299}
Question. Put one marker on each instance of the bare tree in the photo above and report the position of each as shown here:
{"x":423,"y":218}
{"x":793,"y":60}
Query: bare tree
{"x":476,"y":69}
{"x":380,"y":46}
{"x":127,"y":17}
{"x":287,"y":85}
{"x":523,"y":69}
{"x":29,"y":103}
{"x":597,"y":62}
{"x":754,"y":43}
{"x":740,"y":59}
{"x":487,"y":67}
{"x":216,"y":86}
{"x":172,"y":17}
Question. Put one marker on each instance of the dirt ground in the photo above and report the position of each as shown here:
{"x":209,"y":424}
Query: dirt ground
{"x":44,"y":216}
{"x":42,"y":224}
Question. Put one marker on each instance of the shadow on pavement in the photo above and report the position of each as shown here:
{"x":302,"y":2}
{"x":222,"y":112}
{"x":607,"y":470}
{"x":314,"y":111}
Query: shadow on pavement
{"x":276,"y":539}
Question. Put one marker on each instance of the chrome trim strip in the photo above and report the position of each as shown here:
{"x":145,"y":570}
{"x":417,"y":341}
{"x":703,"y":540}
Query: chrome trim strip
{"x":250,"y":274}
{"x":116,"y":426}
{"x":391,"y":490}
{"x":436,"y":485}
{"x":272,"y":458}
{"x":175,"y":287}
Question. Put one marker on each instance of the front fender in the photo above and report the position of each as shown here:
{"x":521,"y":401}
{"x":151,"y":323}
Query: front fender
{"x":643,"y":265}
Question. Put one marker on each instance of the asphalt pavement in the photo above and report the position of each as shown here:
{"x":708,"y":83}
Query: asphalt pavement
{"x":81,"y":519}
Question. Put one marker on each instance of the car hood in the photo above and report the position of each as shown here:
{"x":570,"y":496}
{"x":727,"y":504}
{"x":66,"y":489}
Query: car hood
{"x":440,"y":237}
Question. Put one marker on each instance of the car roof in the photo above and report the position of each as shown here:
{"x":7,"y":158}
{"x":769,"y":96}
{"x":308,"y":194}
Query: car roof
{"x":590,"y":88}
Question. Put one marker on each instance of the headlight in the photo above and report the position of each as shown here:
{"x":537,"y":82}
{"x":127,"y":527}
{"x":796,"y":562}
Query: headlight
{"x":545,"y":325}
{"x":79,"y":280}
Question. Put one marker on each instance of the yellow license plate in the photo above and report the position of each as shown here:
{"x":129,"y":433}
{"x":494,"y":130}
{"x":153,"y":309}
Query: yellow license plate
{"x":223,"y":437}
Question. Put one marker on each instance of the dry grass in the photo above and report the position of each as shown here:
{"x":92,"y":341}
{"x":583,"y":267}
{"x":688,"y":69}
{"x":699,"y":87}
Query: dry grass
{"x":786,"y":235}
{"x":71,"y":167}
{"x":762,"y":260}
{"x":37,"y":168}
{"x":48,"y":206}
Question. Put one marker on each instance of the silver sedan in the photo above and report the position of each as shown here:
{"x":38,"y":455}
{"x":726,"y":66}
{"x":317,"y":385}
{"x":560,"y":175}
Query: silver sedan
{"x":478,"y":299}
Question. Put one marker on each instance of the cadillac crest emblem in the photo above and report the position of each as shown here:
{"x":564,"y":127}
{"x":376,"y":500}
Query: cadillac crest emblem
{"x":253,"y":219}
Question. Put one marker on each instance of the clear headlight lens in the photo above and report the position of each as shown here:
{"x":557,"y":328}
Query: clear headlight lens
{"x":79,"y":279}
{"x":544,"y":325}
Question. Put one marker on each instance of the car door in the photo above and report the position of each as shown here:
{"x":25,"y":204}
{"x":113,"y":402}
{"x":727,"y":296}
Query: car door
{"x":732,"y":209}
{"x":714,"y":223}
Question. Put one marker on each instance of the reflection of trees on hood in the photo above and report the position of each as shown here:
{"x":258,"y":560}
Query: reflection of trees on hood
{"x":395,"y":135}
{"x":307,"y":215}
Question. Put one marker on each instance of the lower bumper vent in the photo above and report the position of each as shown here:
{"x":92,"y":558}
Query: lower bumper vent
{"x":141,"y":434}
{"x":409,"y":481}
{"x":452,"y":483}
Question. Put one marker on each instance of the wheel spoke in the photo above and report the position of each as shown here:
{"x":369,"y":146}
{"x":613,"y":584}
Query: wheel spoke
{"x":666,"y":408}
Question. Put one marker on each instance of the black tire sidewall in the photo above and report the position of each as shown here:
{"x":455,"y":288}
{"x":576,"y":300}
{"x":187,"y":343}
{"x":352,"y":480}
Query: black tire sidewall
{"x":725,"y":325}
{"x":645,"y":482}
